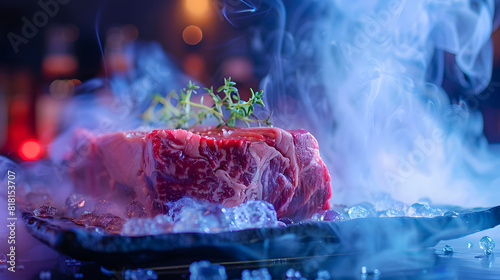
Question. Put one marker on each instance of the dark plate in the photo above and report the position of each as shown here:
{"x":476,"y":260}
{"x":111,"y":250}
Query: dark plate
{"x":359,"y":236}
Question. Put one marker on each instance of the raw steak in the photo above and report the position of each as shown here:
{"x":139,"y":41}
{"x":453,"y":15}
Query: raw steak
{"x":227,"y":165}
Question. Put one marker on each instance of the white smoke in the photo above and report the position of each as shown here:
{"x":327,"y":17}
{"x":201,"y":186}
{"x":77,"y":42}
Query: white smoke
{"x":369,"y":80}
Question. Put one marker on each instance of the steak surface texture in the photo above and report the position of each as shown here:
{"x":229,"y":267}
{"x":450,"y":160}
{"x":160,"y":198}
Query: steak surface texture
{"x":228,"y":166}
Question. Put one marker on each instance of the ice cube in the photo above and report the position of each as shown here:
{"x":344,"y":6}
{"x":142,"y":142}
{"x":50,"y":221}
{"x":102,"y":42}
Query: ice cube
{"x":77,"y":204}
{"x":115,"y":225}
{"x":104,"y":219}
{"x":323,"y":275}
{"x":293,"y":274}
{"x":87,"y":220}
{"x":45,"y":211}
{"x":450,"y":213}
{"x":327,"y":215}
{"x":395,"y":213}
{"x":316,"y":217}
{"x":252,"y":214}
{"x":258,"y":274}
{"x":421,"y":210}
{"x":204,"y":270}
{"x":358,"y":211}
{"x":136,"y":227}
{"x":487,"y":244}
{"x":111,"y":223}
{"x":146,"y":226}
{"x":140,"y":274}
{"x":205,"y":217}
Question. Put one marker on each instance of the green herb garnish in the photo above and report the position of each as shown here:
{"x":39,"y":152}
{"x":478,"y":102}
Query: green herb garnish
{"x":179,"y":110}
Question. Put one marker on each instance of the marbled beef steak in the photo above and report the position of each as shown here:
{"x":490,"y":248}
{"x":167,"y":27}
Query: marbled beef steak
{"x":225,"y":165}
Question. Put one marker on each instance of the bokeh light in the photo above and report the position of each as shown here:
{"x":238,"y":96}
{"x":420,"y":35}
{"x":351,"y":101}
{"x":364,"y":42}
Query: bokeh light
{"x":192,"y":35}
{"x":30,"y":150}
{"x":197,"y":7}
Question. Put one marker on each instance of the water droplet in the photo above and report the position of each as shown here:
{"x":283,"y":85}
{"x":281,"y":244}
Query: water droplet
{"x":376,"y":272}
{"x":447,"y":249}
{"x":470,"y":245}
{"x":487,"y":244}
{"x":364,"y":271}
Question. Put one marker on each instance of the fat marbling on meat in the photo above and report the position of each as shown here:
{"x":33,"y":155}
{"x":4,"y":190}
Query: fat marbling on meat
{"x":224,"y":165}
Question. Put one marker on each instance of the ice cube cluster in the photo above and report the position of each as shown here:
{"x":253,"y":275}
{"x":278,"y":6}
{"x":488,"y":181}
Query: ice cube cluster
{"x":189,"y":215}
{"x":386,"y":206}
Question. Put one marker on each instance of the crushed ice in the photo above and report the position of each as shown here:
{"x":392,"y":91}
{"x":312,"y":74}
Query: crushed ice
{"x":188,"y":215}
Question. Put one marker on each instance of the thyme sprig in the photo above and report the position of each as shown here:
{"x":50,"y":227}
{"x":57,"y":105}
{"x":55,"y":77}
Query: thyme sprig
{"x":179,"y":110}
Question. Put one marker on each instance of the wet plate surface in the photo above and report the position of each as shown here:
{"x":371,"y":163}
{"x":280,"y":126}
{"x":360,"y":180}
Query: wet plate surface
{"x":359,"y":236}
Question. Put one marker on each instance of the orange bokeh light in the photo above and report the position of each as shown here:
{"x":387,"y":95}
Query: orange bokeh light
{"x":192,"y":35}
{"x":197,"y":7}
{"x":30,"y":150}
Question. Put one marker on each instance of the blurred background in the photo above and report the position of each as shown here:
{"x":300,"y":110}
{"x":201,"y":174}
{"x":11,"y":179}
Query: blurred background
{"x":49,"y":47}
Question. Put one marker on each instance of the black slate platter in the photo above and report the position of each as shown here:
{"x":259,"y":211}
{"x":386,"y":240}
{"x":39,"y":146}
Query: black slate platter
{"x":363,"y":236}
